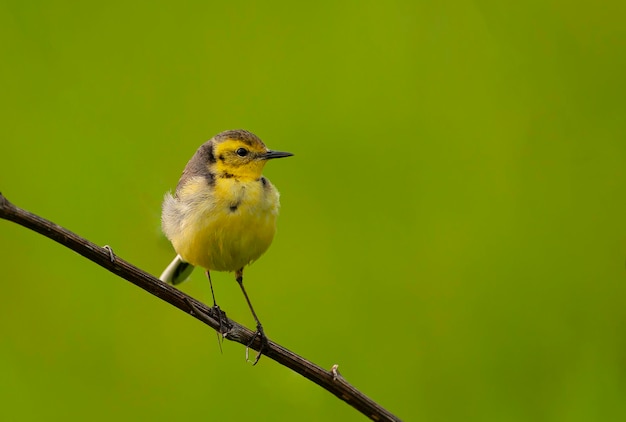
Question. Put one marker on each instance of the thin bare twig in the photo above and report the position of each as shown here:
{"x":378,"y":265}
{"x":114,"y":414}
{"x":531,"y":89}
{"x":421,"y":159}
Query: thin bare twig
{"x":330,"y":380}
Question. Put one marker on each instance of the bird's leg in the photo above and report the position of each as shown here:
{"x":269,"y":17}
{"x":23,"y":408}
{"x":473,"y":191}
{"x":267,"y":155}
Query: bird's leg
{"x":259,"y":328}
{"x":220,"y":315}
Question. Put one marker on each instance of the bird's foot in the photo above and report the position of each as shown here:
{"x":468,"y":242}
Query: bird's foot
{"x":264,"y":343}
{"x":222,"y":331}
{"x":222,"y":319}
{"x":224,"y":327}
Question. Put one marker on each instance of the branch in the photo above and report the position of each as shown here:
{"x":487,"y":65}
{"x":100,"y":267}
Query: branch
{"x":103,"y":256}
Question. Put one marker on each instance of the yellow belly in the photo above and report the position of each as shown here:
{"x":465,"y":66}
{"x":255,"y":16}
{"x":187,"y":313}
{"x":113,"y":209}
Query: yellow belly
{"x":228,"y":242}
{"x":230,"y":228}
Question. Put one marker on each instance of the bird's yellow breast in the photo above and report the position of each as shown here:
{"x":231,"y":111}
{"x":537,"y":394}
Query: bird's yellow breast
{"x":223,"y":226}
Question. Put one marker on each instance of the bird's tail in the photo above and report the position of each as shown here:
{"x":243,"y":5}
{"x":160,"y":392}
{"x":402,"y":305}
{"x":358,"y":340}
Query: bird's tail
{"x":177,"y":272}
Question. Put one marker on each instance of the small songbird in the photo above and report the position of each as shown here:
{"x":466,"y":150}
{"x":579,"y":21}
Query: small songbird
{"x":223,"y":214}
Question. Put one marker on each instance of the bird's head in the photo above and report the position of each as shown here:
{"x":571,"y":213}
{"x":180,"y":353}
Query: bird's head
{"x":241,"y":154}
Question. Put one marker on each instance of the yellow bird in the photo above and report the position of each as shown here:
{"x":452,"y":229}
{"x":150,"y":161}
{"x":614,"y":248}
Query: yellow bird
{"x":223,"y":214}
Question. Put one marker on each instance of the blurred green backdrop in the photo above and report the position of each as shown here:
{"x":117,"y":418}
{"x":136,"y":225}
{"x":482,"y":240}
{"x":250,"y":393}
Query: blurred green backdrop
{"x":453,"y":229}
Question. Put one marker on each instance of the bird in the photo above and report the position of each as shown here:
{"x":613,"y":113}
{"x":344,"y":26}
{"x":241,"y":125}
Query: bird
{"x":222,"y":215}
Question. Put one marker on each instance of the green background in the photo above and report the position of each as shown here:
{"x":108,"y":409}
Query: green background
{"x":453,"y":223}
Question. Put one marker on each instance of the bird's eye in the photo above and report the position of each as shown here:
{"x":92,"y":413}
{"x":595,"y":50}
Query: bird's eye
{"x":242,"y":152}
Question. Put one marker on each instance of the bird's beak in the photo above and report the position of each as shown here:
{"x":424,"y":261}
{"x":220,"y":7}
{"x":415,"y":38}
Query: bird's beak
{"x":274,"y":154}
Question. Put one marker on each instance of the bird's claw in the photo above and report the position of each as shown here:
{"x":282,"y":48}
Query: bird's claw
{"x":264,"y":344}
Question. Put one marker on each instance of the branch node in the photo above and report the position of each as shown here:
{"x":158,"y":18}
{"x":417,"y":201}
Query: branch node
{"x":111,"y":254}
{"x":335,"y":371}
